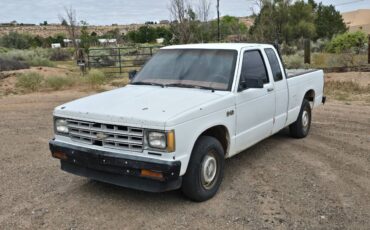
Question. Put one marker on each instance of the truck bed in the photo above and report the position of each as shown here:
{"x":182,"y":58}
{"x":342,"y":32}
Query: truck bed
{"x":297,"y":72}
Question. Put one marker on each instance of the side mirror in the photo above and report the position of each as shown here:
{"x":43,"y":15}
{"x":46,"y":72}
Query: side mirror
{"x":132,"y":74}
{"x":250,"y":84}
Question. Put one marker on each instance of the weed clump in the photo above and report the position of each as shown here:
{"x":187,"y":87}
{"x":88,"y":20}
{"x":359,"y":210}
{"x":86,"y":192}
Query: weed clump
{"x":58,"y":82}
{"x":29,"y":81}
{"x":95,"y":78}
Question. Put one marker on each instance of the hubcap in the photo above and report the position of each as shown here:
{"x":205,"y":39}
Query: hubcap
{"x":209,"y":170}
{"x":305,"y":119}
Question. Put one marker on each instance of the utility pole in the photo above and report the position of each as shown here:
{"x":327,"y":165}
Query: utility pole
{"x":218,"y":21}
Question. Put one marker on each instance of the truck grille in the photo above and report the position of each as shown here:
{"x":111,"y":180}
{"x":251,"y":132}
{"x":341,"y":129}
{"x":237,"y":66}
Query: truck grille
{"x":110,"y":136}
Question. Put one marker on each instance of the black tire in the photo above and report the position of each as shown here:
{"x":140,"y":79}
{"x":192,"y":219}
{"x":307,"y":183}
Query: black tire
{"x":301,"y":127}
{"x":194,"y":184}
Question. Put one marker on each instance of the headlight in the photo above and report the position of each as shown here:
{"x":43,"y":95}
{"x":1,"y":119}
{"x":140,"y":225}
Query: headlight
{"x":162,"y":140}
{"x":157,"y":140}
{"x":61,"y":126}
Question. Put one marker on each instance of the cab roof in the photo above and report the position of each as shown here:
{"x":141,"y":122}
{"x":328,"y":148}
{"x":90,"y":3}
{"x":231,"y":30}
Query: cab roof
{"x":225,"y":46}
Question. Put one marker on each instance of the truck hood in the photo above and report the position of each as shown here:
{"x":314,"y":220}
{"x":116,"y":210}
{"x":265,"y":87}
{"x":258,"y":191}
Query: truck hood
{"x":141,"y":106}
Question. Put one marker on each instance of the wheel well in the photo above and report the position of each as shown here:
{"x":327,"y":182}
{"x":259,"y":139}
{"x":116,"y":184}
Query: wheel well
{"x":221,"y":133}
{"x":310,"y":95}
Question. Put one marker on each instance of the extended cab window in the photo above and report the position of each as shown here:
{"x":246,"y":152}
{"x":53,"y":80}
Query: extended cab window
{"x":274,"y":63}
{"x":253,"y":66}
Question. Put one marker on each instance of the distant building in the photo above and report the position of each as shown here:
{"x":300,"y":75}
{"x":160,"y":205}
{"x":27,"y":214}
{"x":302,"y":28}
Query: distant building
{"x":357,"y":20}
{"x":68,"y":42}
{"x":164,"y":22}
{"x":160,"y":40}
{"x":105,"y":42}
{"x":55,"y":45}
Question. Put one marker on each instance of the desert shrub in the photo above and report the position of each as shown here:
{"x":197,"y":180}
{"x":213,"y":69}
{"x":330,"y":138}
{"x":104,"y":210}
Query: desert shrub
{"x":120,"y":82}
{"x":58,"y":82}
{"x":34,"y":57}
{"x":102,"y":58}
{"x":347,"y":42}
{"x":12,"y":64}
{"x":95,"y":78}
{"x":295,"y":61}
{"x":324,"y":60}
{"x":288,"y":49}
{"x":29,"y":81}
{"x":60,"y":55}
{"x":38,"y":61}
{"x":3,"y":50}
{"x":319,"y":45}
{"x":16,"y":40}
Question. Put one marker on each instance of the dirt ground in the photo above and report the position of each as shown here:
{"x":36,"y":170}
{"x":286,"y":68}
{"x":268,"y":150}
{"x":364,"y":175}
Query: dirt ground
{"x":320,"y":182}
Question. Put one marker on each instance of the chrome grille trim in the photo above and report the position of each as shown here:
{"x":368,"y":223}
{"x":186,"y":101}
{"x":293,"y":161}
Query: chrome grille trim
{"x":111,"y":136}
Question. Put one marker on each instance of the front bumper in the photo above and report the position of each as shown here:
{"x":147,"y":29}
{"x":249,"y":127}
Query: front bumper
{"x":121,"y":170}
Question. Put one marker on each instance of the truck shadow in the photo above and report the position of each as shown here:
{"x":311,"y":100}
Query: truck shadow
{"x":234,"y":167}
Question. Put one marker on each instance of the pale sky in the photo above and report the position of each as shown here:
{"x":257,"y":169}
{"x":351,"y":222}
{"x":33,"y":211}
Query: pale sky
{"x":106,"y":12}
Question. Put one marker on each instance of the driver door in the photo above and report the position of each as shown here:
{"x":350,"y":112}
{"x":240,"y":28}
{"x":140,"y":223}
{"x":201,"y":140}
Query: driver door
{"x":255,"y":107}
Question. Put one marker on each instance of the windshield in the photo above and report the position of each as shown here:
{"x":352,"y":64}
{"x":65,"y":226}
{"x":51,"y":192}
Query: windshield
{"x":191,"y":67}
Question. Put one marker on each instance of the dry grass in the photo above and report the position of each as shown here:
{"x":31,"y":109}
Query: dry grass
{"x":347,"y":90}
{"x":30,"y":82}
{"x":325,"y":60}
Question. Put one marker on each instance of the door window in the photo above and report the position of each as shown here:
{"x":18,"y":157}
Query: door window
{"x":274,"y":63}
{"x":253,"y":67}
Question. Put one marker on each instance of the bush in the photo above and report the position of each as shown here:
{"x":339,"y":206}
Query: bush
{"x":16,"y":41}
{"x":325,"y":60}
{"x":12,"y":64}
{"x":57,"y":83}
{"x":60,"y":55}
{"x":295,"y":61}
{"x":38,"y":61}
{"x":347,"y":42}
{"x":33,"y":57}
{"x":3,"y":50}
{"x":29,"y":81}
{"x":95,"y":78}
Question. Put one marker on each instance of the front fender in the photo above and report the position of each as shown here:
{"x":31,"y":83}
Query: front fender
{"x":187,"y":133}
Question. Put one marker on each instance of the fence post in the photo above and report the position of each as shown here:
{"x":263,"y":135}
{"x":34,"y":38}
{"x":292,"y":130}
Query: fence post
{"x":119,"y":59}
{"x":307,"y":51}
{"x":368,"y":49}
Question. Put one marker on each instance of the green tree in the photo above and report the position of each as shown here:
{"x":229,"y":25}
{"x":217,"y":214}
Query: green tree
{"x":163,"y":32}
{"x":282,"y":21}
{"x":85,"y":37}
{"x":328,"y":22}
{"x":228,"y":26}
{"x":347,"y":42}
{"x":301,"y":20}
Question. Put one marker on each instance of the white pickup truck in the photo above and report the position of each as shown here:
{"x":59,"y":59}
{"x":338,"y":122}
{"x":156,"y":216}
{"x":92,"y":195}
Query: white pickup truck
{"x":182,"y":115}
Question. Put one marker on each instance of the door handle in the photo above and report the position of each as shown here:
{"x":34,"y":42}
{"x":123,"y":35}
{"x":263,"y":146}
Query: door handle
{"x":270,"y":89}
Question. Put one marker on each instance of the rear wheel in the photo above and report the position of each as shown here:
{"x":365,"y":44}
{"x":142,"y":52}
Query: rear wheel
{"x":301,"y":127}
{"x":205,"y":170}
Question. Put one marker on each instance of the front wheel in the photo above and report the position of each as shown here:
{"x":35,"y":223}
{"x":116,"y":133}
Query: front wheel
{"x":205,"y":170}
{"x":301,"y":127}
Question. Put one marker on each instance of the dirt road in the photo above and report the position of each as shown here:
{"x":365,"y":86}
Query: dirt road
{"x":321,"y":182}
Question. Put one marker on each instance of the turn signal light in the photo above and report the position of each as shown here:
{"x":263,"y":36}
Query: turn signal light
{"x":171,"y":142}
{"x":60,"y":155}
{"x":151,"y":174}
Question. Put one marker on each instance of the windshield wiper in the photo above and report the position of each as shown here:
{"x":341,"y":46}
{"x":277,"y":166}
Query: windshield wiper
{"x":181,"y":85}
{"x":147,"y":83}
